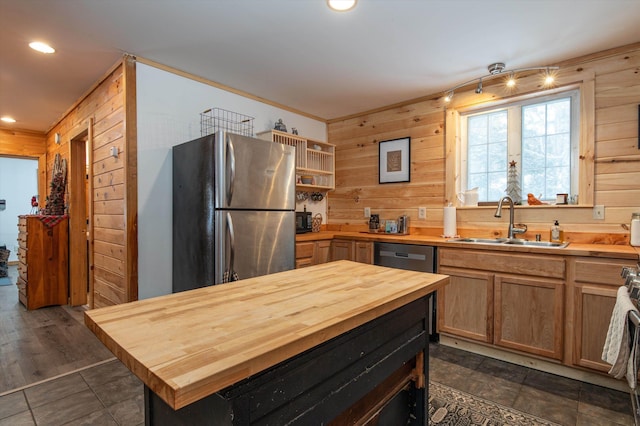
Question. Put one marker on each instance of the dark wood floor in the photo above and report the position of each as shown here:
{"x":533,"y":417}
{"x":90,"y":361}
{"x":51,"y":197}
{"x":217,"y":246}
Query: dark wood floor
{"x":41,"y":344}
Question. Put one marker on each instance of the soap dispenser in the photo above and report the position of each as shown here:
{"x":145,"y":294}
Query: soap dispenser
{"x":556,"y":234}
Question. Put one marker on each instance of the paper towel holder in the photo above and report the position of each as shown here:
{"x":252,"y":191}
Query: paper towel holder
{"x":450,"y":226}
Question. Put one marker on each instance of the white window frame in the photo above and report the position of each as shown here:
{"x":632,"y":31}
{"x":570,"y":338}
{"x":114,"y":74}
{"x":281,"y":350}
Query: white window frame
{"x":514,"y":110}
{"x":583,"y":82}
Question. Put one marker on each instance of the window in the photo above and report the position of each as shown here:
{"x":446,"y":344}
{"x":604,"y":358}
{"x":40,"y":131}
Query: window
{"x":540,"y":134}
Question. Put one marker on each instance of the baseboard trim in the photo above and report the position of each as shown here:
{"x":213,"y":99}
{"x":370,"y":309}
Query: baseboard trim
{"x":536,"y":364}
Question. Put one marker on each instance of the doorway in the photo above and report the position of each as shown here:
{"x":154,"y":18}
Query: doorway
{"x":18,"y":183}
{"x":80,"y":206}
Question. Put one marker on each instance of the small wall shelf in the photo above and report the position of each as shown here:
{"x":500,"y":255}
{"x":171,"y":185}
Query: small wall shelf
{"x":313,"y":158}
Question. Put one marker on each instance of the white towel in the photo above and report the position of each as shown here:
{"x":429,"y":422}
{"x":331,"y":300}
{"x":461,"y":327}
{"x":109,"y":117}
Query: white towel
{"x":616,"y":350}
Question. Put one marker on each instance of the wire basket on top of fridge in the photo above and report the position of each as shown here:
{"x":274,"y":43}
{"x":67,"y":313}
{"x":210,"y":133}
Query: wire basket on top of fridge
{"x":215,"y":119}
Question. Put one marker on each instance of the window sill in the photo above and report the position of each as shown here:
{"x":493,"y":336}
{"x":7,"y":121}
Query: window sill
{"x":520,"y":206}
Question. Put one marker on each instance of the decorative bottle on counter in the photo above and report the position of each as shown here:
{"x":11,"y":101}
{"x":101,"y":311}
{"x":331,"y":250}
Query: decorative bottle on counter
{"x":556,"y":234}
{"x":635,"y":229}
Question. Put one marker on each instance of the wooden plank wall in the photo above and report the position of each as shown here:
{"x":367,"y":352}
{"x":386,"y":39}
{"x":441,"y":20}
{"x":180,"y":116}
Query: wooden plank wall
{"x":617,"y":161}
{"x":26,"y":143}
{"x":105,"y":105}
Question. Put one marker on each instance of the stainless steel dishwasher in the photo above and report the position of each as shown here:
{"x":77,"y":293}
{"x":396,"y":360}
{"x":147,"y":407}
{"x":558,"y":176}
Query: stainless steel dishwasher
{"x":411,"y":257}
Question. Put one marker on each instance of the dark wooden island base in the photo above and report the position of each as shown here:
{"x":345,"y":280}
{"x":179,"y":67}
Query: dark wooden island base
{"x":347,"y":380}
{"x":341,"y":343}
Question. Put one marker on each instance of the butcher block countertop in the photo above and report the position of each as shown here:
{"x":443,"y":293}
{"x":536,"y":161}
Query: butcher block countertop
{"x":573,"y":249}
{"x":188,"y":345}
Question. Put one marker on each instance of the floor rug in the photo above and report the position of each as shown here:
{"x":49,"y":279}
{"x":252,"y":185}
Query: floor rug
{"x":5,"y":281}
{"x":451,"y":407}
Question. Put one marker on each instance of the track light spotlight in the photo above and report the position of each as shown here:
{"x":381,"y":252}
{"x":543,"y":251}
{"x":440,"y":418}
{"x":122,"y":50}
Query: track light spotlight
{"x":548,"y":79}
{"x":479,"y":88}
{"x":449,"y":96}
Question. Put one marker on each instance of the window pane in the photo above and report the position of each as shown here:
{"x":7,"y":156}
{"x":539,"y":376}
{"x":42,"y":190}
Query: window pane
{"x":533,"y":121}
{"x":477,"y":159}
{"x":533,"y":182}
{"x":546,"y":148}
{"x":477,"y":130}
{"x":558,"y":150}
{"x":497,"y":186}
{"x":559,"y":116}
{"x":487,"y":154}
{"x":557,"y":181}
{"x":497,"y":161}
{"x":533,"y":153}
{"x":498,"y":127}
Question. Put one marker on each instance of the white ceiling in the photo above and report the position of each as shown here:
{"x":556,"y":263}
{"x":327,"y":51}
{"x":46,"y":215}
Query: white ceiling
{"x":294,"y":52}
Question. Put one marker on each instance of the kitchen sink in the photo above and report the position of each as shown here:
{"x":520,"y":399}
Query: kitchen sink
{"x":520,"y":242}
{"x":512,"y":241}
{"x":479,"y":240}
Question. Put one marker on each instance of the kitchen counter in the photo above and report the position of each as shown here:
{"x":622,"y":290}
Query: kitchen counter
{"x":573,"y":249}
{"x":187,"y":346}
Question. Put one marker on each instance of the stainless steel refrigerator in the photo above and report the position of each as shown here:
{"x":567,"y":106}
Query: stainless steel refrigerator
{"x":233,"y":209}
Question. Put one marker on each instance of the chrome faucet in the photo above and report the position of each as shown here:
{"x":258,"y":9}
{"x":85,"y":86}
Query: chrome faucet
{"x":512,"y":229}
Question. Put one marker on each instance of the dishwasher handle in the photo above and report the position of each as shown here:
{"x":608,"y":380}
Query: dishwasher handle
{"x":403,"y":255}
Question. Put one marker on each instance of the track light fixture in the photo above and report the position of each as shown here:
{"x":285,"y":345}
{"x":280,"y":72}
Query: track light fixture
{"x":479,"y":88}
{"x":497,"y":69}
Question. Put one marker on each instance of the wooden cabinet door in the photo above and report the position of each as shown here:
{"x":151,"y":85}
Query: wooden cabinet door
{"x":529,"y":314}
{"x":594,"y":305}
{"x":341,"y":250}
{"x":465,"y":305}
{"x":364,"y":252}
{"x":323,"y":250}
{"x":595,"y":284}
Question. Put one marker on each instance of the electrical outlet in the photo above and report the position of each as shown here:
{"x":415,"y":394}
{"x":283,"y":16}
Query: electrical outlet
{"x":422,"y":212}
{"x":598,"y":212}
{"x":367,"y":211}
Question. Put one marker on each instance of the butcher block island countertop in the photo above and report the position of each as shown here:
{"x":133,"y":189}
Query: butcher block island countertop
{"x":189,"y":345}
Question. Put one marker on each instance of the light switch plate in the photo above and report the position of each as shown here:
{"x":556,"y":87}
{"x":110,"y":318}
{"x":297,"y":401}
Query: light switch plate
{"x":367,"y":211}
{"x":598,"y":212}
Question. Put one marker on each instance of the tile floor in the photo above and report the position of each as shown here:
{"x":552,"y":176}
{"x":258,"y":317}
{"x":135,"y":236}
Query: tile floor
{"x":108,"y":394}
{"x":554,"y":398}
{"x":103,"y":395}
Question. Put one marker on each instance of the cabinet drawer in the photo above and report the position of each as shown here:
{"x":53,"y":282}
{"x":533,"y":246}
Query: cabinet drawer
{"x":600,"y":271}
{"x":22,"y":255}
{"x":507,"y":262}
{"x":304,"y":250}
{"x":22,"y":286}
{"x":22,"y":271}
{"x":301,"y":263}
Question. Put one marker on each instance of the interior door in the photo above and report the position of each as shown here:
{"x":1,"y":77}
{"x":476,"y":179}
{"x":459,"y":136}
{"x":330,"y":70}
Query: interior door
{"x":78,"y":220}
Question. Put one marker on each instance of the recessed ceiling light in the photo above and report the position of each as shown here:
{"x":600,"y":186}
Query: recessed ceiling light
{"x":41,"y":47}
{"x":8,"y":119}
{"x":341,"y":5}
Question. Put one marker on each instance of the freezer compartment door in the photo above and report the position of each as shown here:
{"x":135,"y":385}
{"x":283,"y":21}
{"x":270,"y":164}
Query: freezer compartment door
{"x":253,"y":243}
{"x":254,"y":174}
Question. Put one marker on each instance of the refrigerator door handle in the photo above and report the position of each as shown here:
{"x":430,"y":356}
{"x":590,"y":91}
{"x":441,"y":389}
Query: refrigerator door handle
{"x":231,"y":168}
{"x":230,"y":275}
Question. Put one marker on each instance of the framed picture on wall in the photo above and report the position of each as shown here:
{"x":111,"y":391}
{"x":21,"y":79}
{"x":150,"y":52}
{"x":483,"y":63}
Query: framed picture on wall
{"x":394,"y":158}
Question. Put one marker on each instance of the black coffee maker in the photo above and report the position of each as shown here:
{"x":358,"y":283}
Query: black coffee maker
{"x":374,"y":223}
